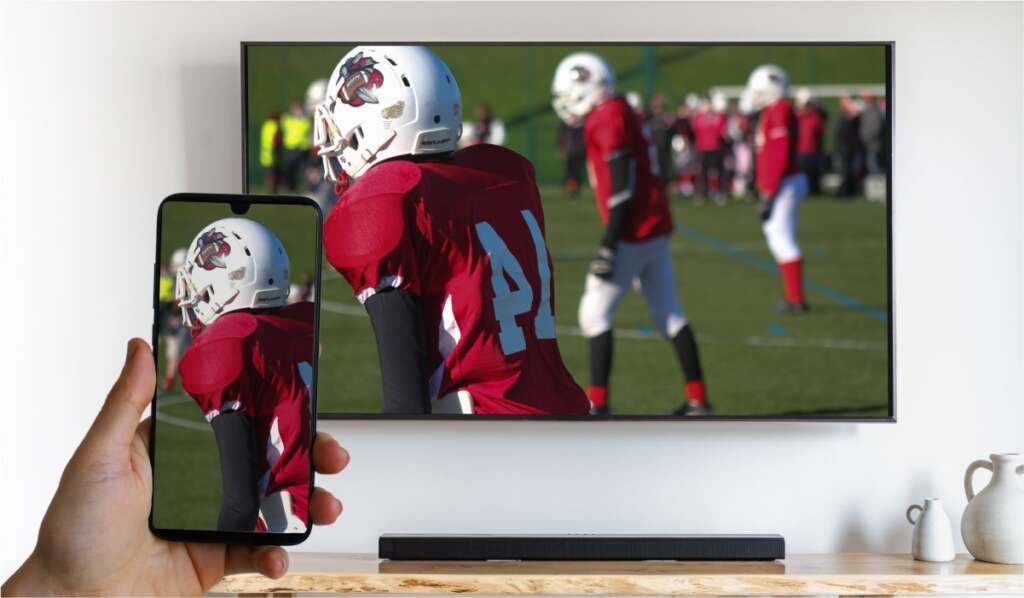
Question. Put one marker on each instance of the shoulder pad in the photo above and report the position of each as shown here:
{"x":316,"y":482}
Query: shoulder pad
{"x":215,"y":360}
{"x":495,"y":159}
{"x":369,"y":220}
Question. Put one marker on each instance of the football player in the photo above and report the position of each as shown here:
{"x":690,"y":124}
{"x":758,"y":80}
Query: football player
{"x":445,"y":249}
{"x":780,"y":183}
{"x":638,"y":225}
{"x":249,"y":370}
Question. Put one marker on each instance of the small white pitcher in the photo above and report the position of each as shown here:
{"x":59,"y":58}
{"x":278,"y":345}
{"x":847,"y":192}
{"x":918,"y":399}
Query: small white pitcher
{"x":933,"y":535}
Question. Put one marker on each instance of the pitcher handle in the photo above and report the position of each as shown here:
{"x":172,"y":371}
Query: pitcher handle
{"x":968,"y":476}
{"x":910,"y":511}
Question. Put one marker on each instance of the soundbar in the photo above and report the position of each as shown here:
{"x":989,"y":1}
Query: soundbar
{"x":581,"y":547}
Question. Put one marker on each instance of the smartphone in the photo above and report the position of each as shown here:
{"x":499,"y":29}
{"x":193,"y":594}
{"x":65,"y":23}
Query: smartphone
{"x":235,"y":335}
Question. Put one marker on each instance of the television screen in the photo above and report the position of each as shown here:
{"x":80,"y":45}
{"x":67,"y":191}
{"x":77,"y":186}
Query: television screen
{"x":677,"y":231}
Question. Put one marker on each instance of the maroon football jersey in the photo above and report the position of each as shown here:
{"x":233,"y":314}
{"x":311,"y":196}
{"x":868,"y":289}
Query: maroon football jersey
{"x":465,"y":236}
{"x":613,"y":127}
{"x":775,"y":141}
{"x":261,"y":364}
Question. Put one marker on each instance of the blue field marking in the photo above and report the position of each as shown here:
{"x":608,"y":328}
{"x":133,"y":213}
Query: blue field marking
{"x":777,"y":329}
{"x":768,"y":266}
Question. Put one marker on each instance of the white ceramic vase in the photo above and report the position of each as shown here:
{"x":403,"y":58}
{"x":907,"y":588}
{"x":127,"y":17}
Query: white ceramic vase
{"x":933,"y":535}
{"x":993,"y":523}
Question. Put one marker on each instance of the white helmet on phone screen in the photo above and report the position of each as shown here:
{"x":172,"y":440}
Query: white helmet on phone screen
{"x":386,"y":101}
{"x":582,"y":81}
{"x":234,"y":263}
{"x":766,"y":84}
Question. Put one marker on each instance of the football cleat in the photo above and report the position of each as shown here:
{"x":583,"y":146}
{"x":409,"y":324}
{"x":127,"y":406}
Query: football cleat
{"x":383,"y":102}
{"x":694,"y":409}
{"x":791,"y":308}
{"x":232,"y":264}
{"x":600,"y":410}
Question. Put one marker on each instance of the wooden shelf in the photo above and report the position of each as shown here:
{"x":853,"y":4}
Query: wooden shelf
{"x":798,"y":575}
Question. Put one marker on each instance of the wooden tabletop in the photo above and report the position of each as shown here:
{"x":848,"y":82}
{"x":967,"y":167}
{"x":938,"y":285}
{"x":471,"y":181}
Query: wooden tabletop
{"x":798,"y":575}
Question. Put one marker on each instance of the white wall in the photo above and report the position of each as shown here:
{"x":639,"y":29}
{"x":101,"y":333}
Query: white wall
{"x":109,"y":108}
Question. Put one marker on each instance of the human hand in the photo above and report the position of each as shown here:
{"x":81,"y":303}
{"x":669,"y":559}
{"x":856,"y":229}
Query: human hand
{"x":95,"y":537}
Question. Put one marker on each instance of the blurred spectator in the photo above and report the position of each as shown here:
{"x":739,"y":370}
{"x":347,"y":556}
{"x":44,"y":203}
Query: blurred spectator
{"x":297,"y":141}
{"x":176,"y":336}
{"x":660,"y":125}
{"x":810,"y":136}
{"x":486,"y":129}
{"x":739,"y":134}
{"x":302,"y":290}
{"x":872,"y":126}
{"x":849,"y":150}
{"x":573,"y":153}
{"x":683,"y":152}
{"x":709,"y":132}
{"x":270,"y":151}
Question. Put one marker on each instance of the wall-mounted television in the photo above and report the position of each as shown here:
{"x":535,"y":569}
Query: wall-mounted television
{"x":589,"y":231}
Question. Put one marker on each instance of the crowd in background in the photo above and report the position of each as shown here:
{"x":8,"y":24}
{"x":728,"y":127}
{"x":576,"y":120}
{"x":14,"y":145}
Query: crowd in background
{"x":705,"y":147}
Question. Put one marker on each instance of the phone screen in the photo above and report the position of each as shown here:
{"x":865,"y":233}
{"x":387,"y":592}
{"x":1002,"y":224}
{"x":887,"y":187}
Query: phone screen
{"x":236,"y":343}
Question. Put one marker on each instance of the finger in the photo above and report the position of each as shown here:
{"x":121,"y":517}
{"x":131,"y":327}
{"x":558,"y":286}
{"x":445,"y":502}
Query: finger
{"x":271,"y":561}
{"x":328,"y":456}
{"x":324,"y":507}
{"x":133,"y":391}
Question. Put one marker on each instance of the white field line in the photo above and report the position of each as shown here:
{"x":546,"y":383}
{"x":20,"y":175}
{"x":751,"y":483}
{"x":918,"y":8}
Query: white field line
{"x":347,"y":309}
{"x":166,"y":400}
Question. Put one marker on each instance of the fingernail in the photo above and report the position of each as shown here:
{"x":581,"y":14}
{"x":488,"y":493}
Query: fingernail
{"x":130,"y":351}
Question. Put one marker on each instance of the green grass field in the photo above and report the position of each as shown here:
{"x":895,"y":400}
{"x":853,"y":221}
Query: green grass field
{"x":830,"y":362}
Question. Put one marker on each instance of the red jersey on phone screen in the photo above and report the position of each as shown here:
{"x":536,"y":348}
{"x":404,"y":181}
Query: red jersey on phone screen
{"x":614,"y":127}
{"x":465,"y":236}
{"x":260,"y":364}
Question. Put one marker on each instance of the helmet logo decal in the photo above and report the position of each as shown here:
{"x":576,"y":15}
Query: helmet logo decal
{"x":359,"y":78}
{"x":211,"y":248}
{"x":580,"y":74}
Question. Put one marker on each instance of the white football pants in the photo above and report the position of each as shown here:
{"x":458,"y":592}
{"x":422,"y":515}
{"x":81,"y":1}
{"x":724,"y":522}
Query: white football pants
{"x":780,"y":228}
{"x":647,"y":266}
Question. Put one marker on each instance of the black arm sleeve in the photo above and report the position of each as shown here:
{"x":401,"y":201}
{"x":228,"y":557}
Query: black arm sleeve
{"x":622,"y":168}
{"x":240,"y":505}
{"x":398,"y":325}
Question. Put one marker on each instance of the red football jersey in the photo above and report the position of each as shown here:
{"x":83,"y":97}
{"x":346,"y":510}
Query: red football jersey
{"x":776,"y":146}
{"x":709,"y":130}
{"x":465,"y":236}
{"x":261,"y":364}
{"x":812,"y":129}
{"x":613,"y":127}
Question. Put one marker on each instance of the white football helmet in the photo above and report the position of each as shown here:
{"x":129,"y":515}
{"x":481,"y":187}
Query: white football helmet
{"x":234,"y":263}
{"x":315,"y":94}
{"x":386,"y":101}
{"x":803,"y":96}
{"x":766,"y":84}
{"x":582,"y":81}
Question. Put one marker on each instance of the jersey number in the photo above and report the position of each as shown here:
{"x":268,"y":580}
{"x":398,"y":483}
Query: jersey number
{"x":508,"y":303}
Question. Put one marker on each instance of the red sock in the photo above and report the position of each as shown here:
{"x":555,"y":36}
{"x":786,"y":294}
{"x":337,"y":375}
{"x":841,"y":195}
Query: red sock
{"x":695,"y":391}
{"x":598,"y":395}
{"x":793,"y":280}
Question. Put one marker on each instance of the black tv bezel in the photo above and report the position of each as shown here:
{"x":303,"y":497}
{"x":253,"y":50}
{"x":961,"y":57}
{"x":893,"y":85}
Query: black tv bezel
{"x":890,"y":109}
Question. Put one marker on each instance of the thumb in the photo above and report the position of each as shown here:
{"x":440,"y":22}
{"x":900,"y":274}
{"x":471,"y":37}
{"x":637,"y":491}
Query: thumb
{"x":117,"y":420}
